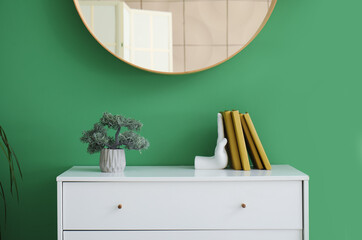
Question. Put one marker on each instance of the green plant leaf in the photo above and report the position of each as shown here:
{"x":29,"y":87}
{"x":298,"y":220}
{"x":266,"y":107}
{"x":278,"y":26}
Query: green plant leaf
{"x":2,"y":196}
{"x":11,"y":157}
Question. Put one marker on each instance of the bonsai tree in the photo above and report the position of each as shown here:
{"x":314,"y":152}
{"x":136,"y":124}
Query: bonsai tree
{"x":98,"y":139}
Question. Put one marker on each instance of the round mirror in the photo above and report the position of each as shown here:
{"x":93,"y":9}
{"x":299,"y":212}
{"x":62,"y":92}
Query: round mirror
{"x":174,"y":36}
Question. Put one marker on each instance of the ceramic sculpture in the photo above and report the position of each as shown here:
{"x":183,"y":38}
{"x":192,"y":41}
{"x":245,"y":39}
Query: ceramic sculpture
{"x":220,"y":159}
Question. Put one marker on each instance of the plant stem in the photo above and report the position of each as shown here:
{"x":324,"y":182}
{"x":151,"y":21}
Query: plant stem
{"x":115,"y":145}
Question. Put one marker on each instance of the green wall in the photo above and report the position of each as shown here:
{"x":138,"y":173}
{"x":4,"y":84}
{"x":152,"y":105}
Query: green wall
{"x":300,"y":80}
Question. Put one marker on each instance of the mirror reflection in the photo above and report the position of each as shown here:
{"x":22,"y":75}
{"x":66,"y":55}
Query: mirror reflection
{"x":174,"y":35}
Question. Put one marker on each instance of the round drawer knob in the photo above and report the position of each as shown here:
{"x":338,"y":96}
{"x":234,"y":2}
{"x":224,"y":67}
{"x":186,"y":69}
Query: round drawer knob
{"x":243,"y":205}
{"x":119,"y":206}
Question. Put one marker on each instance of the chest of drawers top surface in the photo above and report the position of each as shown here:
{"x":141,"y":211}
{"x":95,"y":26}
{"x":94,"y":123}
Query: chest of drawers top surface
{"x":180,"y":173}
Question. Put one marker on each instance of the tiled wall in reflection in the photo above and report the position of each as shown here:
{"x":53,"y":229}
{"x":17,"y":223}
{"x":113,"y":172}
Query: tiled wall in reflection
{"x":208,"y":31}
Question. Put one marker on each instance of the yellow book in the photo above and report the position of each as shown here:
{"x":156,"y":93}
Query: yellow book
{"x":240,"y":140}
{"x":250,"y":145}
{"x":257,"y":142}
{"x":230,"y":135}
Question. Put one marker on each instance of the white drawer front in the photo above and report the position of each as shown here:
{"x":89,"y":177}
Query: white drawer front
{"x":182,"y":205}
{"x":183,"y":235}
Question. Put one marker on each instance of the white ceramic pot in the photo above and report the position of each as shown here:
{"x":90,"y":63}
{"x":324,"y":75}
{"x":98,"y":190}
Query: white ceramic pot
{"x":112,"y":160}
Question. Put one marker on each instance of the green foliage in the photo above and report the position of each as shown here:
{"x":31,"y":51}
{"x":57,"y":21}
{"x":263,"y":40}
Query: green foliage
{"x":133,"y":141}
{"x":97,"y":138}
{"x":10,"y":157}
{"x":118,"y":121}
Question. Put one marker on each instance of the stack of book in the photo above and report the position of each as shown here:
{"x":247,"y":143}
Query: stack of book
{"x":243,"y":139}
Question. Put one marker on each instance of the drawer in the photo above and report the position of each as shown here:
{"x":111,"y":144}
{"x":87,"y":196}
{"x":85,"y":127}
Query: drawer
{"x":182,"y":205}
{"x":189,"y":235}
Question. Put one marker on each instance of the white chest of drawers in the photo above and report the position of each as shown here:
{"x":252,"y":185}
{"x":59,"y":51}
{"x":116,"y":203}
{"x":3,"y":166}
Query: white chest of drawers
{"x":174,"y":203}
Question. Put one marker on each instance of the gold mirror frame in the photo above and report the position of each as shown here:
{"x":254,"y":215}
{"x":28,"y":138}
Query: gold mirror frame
{"x":270,"y":11}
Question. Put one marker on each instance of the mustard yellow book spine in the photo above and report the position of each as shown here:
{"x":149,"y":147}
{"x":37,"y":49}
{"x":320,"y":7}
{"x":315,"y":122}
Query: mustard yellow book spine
{"x":232,"y":145}
{"x":250,"y":145}
{"x":257,"y":142}
{"x":240,"y":140}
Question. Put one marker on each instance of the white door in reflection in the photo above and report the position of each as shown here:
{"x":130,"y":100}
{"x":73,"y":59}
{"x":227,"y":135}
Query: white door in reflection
{"x":142,"y":37}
